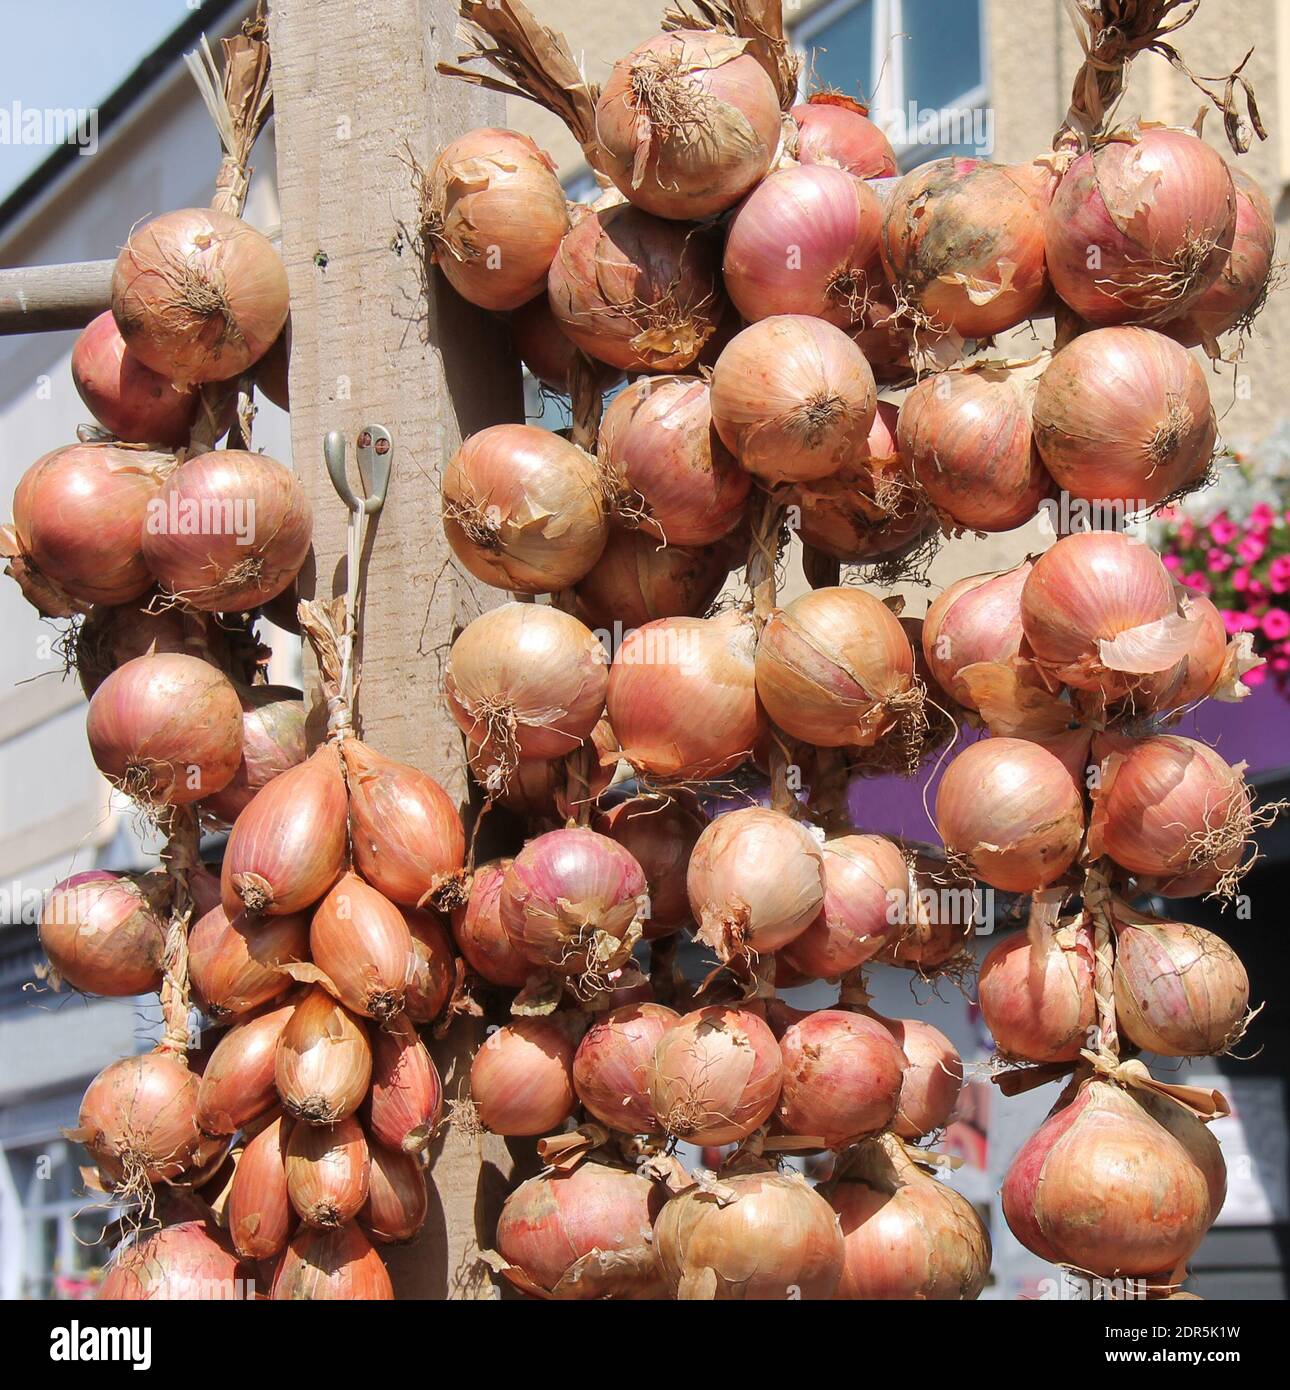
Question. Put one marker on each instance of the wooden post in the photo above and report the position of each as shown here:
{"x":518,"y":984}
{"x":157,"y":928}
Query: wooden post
{"x":378,"y":338}
{"x":41,"y":298}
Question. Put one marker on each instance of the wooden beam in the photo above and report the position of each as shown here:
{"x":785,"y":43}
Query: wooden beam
{"x":41,"y":298}
{"x":378,"y":338}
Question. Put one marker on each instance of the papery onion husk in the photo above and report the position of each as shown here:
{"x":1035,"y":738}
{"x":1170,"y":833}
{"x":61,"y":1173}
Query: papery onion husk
{"x":612,"y":1065}
{"x":238,"y":1082}
{"x":324,"y":1060}
{"x":327,"y":1172}
{"x":835,"y":669}
{"x":523,"y":509}
{"x":433,"y":974}
{"x":361,"y":942}
{"x":585,"y":1234}
{"x":660,"y":833}
{"x":573,"y":901}
{"x":907,"y":1235}
{"x":865,"y":878}
{"x":1140,"y":227}
{"x":234,"y":963}
{"x":1009,"y":809}
{"x":541,"y":788}
{"x":1111,"y":1184}
{"x":187,"y":1262}
{"x":521,"y":1079}
{"x":805,"y":241}
{"x":666,"y":465}
{"x":494,"y":216}
{"x":1213,"y":666}
{"x":78,"y":517}
{"x":166,"y":729}
{"x":963,"y":243}
{"x":1123,"y":417}
{"x":975,"y":619}
{"x":406,"y":1100}
{"x":750,"y":1236}
{"x":408,"y":840}
{"x":933,"y":1078}
{"x":273,"y":740}
{"x":966,"y":436}
{"x":832,"y":129}
{"x":1180,"y":991}
{"x":842,"y":1077}
{"x":332,"y":1264}
{"x":288,"y":846}
{"x":755,"y":881}
{"x":1038,"y":1000}
{"x":103,"y":932}
{"x":639,"y":579}
{"x":715,"y":1076}
{"x":792,"y":398}
{"x":228,"y":531}
{"x":130,"y":401}
{"x":478,"y":931}
{"x":199,"y":295}
{"x":259,"y":1211}
{"x":526,"y":681}
{"x":397,"y":1200}
{"x":138,"y":1119}
{"x":635,"y":291}
{"x":546,"y":351}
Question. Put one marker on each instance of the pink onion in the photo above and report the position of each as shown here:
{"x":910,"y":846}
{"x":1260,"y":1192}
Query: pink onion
{"x":1037,"y":1001}
{"x":234,"y":964}
{"x":521,"y":1080}
{"x":273,"y":740}
{"x":842,"y":1077}
{"x":480,"y":935}
{"x":660,"y":833}
{"x":974,"y":620}
{"x":637,"y":579}
{"x":129,"y":400}
{"x":406,"y":1101}
{"x":103,"y":932}
{"x":611,"y":1068}
{"x":361,"y":942}
{"x":834,"y":130}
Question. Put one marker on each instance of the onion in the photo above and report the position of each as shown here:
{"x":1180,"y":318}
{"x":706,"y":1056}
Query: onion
{"x":237,"y":1082}
{"x":522,"y":1077}
{"x":229,"y":530}
{"x":682,"y":697}
{"x":177,"y":1263}
{"x":688,"y":122}
{"x":907,"y":1235}
{"x":324,"y":1061}
{"x":288,"y":846}
{"x":572,"y":901}
{"x":672,"y":474}
{"x":130,"y":401}
{"x":932,"y":1079}
{"x":1123,"y":416}
{"x":1106,"y":1187}
{"x":79,"y":513}
{"x":407,"y":1097}
{"x":963,"y":243}
{"x":332,"y":1264}
{"x":361,"y":942}
{"x":234,"y":964}
{"x":1180,"y":991}
{"x":966,"y":436}
{"x":715,"y":1076}
{"x":407,"y":836}
{"x":660,"y":833}
{"x":835,"y":669}
{"x":434,"y":967}
{"x":1010,"y":809}
{"x":583,"y":1234}
{"x":526,"y":681}
{"x":273,"y":740}
{"x":755,"y":881}
{"x":547,"y":352}
{"x":793,"y":398}
{"x":198,"y":295}
{"x":804,"y":241}
{"x":634,"y":291}
{"x":1211,"y":662}
{"x":327,"y":1172}
{"x":523,"y":509}
{"x":397,"y":1200}
{"x":541,"y":787}
{"x":976,"y":619}
{"x":1170,"y":808}
{"x":1139,"y":228}
{"x":103,"y":933}
{"x":1038,"y":1002}
{"x":937,"y":916}
{"x":109,"y":637}
{"x":1100,"y":612}
{"x":637,"y":580}
{"x":755,"y":1236}
{"x":834,"y":130}
{"x":1235,"y":298}
{"x":894,"y":347}
{"x":611,"y":1068}
{"x":495,"y":216}
{"x":480,"y":936}
{"x":259,"y":1212}
{"x":166,"y":729}
{"x":842,"y":1077}
{"x":864,"y":876}
{"x":138,"y":1119}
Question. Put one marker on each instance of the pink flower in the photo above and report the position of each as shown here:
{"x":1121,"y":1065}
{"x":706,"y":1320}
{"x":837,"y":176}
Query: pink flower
{"x":1222,"y":531}
{"x":1173,"y":563}
{"x":1255,"y":677}
{"x":1262,"y":518}
{"x":1240,"y":579}
{"x":1276,"y":624}
{"x":1279,"y":574}
{"x":1236,"y":622}
{"x":1251,"y":549}
{"x":1186,"y":531}
{"x":1198,"y":584}
{"x":1217,"y":561}
{"x":1256,"y":591}
{"x":1280,"y":663}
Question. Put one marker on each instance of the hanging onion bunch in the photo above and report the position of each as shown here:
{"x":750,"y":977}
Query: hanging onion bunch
{"x":104,"y":933}
{"x":129,"y":400}
{"x":1037,"y":1000}
{"x":833,"y":130}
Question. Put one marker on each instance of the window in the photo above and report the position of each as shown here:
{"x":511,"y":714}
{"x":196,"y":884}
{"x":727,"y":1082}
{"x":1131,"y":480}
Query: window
{"x":920,"y":64}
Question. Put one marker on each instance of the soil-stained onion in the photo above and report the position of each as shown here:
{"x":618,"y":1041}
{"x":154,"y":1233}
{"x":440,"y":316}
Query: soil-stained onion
{"x":234,"y":963}
{"x":324,"y":1061}
{"x":612,"y":1065}
{"x":103,"y":933}
{"x":129,"y":400}
{"x":1038,"y":1002}
{"x":522,"y":1077}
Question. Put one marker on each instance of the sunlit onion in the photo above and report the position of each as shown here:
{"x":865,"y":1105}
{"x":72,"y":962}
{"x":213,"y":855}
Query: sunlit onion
{"x":103,"y":932}
{"x":521,"y":1079}
{"x":327,"y":1172}
{"x":233,"y":964}
{"x":324,"y":1061}
{"x":131,"y":401}
{"x":975,"y":619}
{"x":237,"y":1083}
{"x":611,"y":1068}
{"x":138,"y":1118}
{"x":834,"y":130}
{"x":406,"y":1100}
{"x":273,"y":740}
{"x":1037,"y":1001}
{"x":360,"y":941}
{"x":260,"y":1216}
{"x":184,"y":1263}
{"x":842,"y":1077}
{"x":480,"y":936}
{"x":332,"y":1264}
{"x":932,"y":1078}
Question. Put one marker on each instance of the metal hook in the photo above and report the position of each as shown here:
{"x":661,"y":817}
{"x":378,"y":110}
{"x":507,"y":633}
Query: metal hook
{"x":375,"y":457}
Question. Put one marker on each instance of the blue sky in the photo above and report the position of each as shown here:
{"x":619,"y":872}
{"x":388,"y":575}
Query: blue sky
{"x":72,"y":53}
